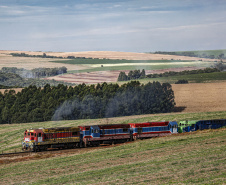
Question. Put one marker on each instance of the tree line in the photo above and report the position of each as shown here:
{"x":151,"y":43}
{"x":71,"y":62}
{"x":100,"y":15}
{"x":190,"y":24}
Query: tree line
{"x":136,"y":74}
{"x":186,"y":72}
{"x":36,"y":72}
{"x":45,"y":56}
{"x":132,"y":75}
{"x":14,"y":80}
{"x":192,"y":54}
{"x":182,"y":82}
{"x":27,"y":55}
{"x":34,"y":104}
{"x":221,"y":66}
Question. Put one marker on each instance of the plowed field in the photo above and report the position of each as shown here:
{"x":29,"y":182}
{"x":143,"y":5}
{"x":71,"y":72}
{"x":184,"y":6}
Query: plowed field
{"x":107,"y":76}
{"x":111,"y":55}
{"x":32,"y":62}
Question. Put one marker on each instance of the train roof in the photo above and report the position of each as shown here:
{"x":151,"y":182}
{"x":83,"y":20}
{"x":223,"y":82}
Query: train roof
{"x":110,"y":126}
{"x":149,"y":124}
{"x":61,"y":129}
{"x":114,"y":126}
{"x":188,"y":121}
{"x":56,"y":129}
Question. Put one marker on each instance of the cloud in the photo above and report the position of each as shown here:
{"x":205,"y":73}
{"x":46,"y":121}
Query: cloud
{"x":129,"y":25}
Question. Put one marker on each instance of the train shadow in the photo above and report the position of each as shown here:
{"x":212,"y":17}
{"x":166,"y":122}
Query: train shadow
{"x":179,"y":108}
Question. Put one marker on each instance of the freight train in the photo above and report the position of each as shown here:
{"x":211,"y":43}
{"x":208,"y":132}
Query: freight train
{"x":94,"y":135}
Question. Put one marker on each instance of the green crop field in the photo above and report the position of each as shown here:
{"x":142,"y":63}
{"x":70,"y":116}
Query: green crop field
{"x":112,"y":61}
{"x":111,"y":65}
{"x":192,"y":78}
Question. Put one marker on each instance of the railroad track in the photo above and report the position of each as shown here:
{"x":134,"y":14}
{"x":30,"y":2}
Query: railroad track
{"x":55,"y":151}
{"x":72,"y":150}
{"x":15,"y":154}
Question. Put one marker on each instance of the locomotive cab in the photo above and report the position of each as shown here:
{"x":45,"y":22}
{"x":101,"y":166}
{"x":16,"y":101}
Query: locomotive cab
{"x":173,"y":127}
{"x":31,"y":137}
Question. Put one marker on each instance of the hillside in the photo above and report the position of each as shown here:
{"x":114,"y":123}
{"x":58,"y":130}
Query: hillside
{"x":205,"y":53}
{"x":108,"y":54}
{"x":191,"y":158}
{"x":11,"y":134}
{"x":102,"y":66}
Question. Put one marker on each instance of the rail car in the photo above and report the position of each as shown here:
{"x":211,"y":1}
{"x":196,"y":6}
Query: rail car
{"x":190,"y":126}
{"x":187,"y":126}
{"x":94,"y":135}
{"x":153,"y":129}
{"x":210,"y":124}
{"x":42,"y":139}
{"x":99,"y":134}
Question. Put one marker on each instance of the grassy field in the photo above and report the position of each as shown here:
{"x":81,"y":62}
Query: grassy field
{"x":193,"y":158}
{"x":146,"y":67}
{"x":110,"y":65}
{"x":192,"y":78}
{"x":111,"y":61}
{"x":11,"y":135}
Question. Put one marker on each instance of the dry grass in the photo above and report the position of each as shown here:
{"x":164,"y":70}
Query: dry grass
{"x":112,"y":55}
{"x":31,"y":63}
{"x":201,"y":97}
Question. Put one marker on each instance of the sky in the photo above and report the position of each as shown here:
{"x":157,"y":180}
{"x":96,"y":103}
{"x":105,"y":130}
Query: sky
{"x":112,"y":25}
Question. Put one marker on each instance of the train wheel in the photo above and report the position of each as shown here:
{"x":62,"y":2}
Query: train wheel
{"x":98,"y":144}
{"x":80,"y":145}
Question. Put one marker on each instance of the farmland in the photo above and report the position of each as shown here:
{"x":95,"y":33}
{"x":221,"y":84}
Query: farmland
{"x":111,"y":65}
{"x":98,"y":67}
{"x":7,"y":60}
{"x":109,"y":55}
{"x":153,"y":161}
{"x":160,"y":161}
{"x":192,"y":78}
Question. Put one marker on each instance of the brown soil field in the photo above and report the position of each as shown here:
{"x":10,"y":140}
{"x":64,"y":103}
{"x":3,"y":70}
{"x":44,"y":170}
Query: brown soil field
{"x":111,"y":55}
{"x":107,"y":76}
{"x":32,"y":62}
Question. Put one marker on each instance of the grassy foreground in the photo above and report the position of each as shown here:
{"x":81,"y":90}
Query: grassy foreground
{"x":193,"y":158}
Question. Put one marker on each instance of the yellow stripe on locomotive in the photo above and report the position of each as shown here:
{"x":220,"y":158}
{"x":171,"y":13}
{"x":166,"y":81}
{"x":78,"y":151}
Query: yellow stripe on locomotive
{"x":41,"y":139}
